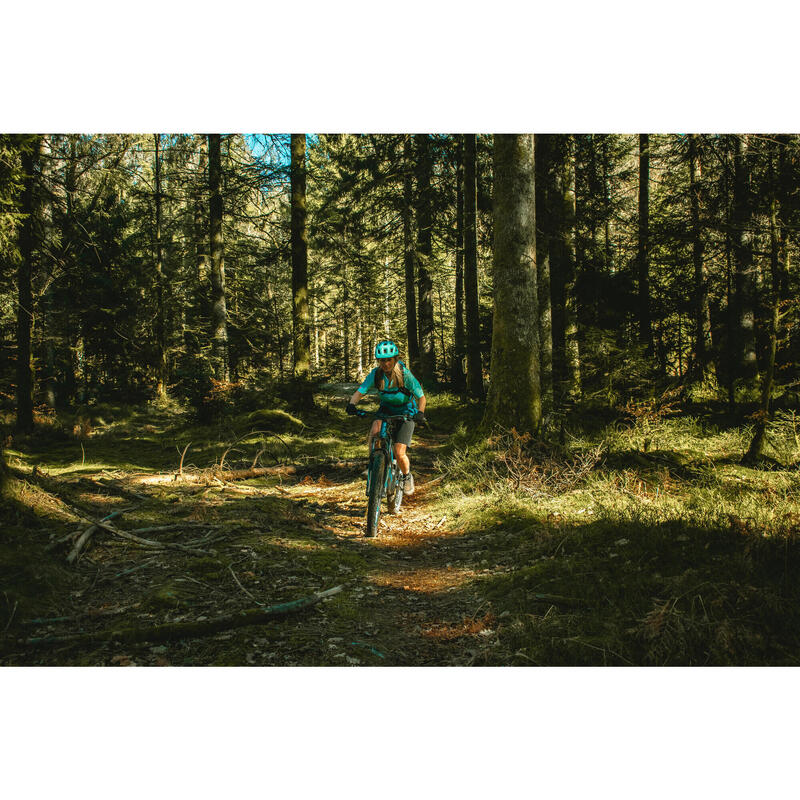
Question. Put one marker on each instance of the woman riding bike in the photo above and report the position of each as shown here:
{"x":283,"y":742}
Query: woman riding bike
{"x":400,"y":393}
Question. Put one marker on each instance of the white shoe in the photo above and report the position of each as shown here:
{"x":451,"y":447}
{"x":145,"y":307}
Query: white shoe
{"x":408,"y":484}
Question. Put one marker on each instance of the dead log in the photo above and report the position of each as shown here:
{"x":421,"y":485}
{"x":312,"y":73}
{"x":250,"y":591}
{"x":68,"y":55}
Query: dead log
{"x":184,"y":630}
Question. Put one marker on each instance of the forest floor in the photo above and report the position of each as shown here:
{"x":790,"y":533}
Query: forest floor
{"x":407,"y":596}
{"x":648,"y":543}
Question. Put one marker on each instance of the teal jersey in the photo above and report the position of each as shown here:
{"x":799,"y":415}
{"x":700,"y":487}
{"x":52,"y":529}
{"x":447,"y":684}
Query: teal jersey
{"x":394,"y":398}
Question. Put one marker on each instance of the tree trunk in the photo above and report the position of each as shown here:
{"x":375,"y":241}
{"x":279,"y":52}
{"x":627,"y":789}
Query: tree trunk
{"x":31,"y":149}
{"x":702,"y":315}
{"x":608,"y":222}
{"x":474,"y":366}
{"x":359,"y":344}
{"x":345,"y":323}
{"x":386,"y":294}
{"x":778,"y":268}
{"x":572,"y":361}
{"x":201,"y":229}
{"x":514,"y":392}
{"x":161,"y":322}
{"x":427,"y":342}
{"x":457,"y":371}
{"x":645,"y":325}
{"x":219,"y":312}
{"x":745,"y":287}
{"x":301,"y":340}
{"x":316,"y":337}
{"x":544,"y":145}
{"x":412,"y":334}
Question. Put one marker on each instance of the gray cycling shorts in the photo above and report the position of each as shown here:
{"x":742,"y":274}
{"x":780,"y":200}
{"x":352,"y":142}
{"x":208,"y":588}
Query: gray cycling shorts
{"x":403,"y":431}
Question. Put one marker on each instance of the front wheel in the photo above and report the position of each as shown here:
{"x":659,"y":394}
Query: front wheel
{"x":397,"y":495}
{"x":377,"y":473}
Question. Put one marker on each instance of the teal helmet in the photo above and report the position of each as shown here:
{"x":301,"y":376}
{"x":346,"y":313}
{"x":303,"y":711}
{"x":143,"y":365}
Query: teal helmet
{"x":386,"y":349}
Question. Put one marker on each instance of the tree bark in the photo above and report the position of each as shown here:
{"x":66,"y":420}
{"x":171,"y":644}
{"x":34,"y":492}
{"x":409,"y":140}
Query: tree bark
{"x":345,"y":323}
{"x":427,"y":341}
{"x":544,"y":147}
{"x":572,"y":361}
{"x":645,"y":324}
{"x":457,"y":372}
{"x":514,"y":392}
{"x":31,"y":149}
{"x":778,"y":268}
{"x":412,"y":333}
{"x":301,"y":337}
{"x":200,"y":232}
{"x":745,"y":286}
{"x":161,"y":322}
{"x":474,"y":366}
{"x":702,"y":315}
{"x":219,"y":311}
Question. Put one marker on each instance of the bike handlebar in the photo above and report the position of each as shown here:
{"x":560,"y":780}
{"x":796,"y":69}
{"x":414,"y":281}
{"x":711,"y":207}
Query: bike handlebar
{"x":362,"y":413}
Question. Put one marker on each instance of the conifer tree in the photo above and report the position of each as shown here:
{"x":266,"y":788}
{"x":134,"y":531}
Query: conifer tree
{"x":474,"y":366}
{"x":301,"y":338}
{"x":427,"y":340}
{"x":219,"y":302}
{"x":514,"y":398}
{"x":30,"y":148}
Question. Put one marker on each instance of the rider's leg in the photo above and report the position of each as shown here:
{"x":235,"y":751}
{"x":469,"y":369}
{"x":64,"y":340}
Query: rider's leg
{"x":402,"y":459}
{"x":373,"y":432}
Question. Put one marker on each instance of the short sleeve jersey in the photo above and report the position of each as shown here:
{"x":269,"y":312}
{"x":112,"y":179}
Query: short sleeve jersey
{"x":393,"y":398}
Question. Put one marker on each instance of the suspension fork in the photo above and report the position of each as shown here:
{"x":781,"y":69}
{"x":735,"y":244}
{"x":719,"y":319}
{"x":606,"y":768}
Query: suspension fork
{"x":382,"y":444}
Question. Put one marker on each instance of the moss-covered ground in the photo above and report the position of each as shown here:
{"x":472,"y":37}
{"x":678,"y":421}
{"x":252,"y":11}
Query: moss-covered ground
{"x":641,"y":543}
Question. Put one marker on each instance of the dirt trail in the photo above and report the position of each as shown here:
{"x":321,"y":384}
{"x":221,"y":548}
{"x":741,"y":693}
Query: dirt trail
{"x":417,"y":594}
{"x":409,"y":596}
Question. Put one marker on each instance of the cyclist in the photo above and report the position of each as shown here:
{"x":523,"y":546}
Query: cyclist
{"x":400,"y":393}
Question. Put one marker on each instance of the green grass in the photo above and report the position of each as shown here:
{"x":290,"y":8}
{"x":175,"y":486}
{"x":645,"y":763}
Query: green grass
{"x":675,"y":555}
{"x":644,"y":543}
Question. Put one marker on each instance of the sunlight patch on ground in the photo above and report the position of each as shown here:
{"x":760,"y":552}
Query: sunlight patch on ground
{"x":426,"y":581}
{"x":154,"y":480}
{"x":482,"y":626}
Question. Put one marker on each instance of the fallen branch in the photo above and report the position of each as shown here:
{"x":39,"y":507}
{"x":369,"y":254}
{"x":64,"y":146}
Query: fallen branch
{"x":152,"y":543}
{"x":83,"y":539}
{"x":73,"y":617}
{"x":185,"y":630}
{"x":251,"y":596}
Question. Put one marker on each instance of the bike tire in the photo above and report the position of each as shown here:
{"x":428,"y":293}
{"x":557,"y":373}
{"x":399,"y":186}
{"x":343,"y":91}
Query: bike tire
{"x":377,"y":474}
{"x":397,"y":500}
{"x":391,"y":489}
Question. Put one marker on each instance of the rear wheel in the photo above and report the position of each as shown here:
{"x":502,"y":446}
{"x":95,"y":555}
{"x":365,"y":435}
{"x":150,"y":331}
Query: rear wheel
{"x":377,"y":473}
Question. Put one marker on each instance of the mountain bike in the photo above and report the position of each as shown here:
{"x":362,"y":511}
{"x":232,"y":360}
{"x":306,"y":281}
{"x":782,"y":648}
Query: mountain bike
{"x":384,"y":478}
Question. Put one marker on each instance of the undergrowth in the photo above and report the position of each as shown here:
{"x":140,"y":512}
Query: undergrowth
{"x":647,"y":542}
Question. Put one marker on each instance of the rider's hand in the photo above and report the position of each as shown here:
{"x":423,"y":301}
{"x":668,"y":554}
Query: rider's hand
{"x":351,"y":410}
{"x":419,"y":418}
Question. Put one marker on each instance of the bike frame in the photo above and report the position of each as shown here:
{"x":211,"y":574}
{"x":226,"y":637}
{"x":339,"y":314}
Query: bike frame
{"x":384,"y":442}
